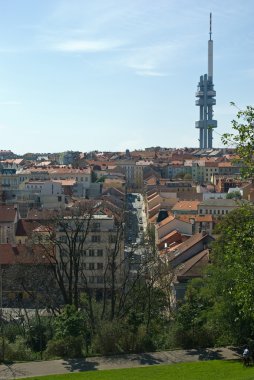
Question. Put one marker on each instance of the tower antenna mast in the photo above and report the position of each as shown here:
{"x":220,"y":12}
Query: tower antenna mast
{"x":210,"y":26}
{"x":206,"y":100}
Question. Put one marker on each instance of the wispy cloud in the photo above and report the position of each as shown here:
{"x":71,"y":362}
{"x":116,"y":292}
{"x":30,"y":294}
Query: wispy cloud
{"x":152,"y":60}
{"x":87,"y":46}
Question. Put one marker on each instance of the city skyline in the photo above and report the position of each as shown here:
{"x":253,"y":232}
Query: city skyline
{"x":115,"y":75}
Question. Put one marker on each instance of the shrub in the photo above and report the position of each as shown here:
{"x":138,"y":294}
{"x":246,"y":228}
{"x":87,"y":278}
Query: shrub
{"x":109,"y":339}
{"x":17,"y":351}
{"x":117,"y":338}
{"x":69,"y":347}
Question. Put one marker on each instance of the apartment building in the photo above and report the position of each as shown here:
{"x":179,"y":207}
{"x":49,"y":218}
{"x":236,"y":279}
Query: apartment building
{"x":217,"y":207}
{"x":203,"y":170}
{"x":97,"y":241}
{"x":47,"y":194}
{"x":134,"y":172}
{"x":13,"y":182}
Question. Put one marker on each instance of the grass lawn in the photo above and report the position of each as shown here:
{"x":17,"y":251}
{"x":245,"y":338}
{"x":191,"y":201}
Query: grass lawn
{"x":207,"y":370}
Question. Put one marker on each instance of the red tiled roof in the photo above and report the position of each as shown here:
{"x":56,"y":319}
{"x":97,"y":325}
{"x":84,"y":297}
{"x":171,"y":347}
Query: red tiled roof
{"x":187,"y":244}
{"x":165,"y":221}
{"x":197,"y":218}
{"x":169,"y":235}
{"x":21,"y":254}
{"x":7,"y":213}
{"x":186,"y":205}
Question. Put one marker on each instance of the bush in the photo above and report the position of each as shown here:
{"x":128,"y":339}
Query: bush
{"x":117,"y":338}
{"x":109,"y":339}
{"x":69,"y":347}
{"x":12,"y":331}
{"x":17,"y":351}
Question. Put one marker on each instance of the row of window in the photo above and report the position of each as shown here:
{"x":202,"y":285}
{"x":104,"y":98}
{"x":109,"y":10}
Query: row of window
{"x":88,"y":266}
{"x":218,"y":212}
{"x":93,"y":253}
{"x":94,"y":239}
{"x":87,"y":253}
{"x":92,"y":266}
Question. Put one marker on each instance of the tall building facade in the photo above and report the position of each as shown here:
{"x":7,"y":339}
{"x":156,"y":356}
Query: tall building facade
{"x":206,"y":100}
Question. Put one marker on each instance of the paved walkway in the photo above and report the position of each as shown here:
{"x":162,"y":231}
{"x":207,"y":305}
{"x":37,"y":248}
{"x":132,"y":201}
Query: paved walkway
{"x":41,"y":368}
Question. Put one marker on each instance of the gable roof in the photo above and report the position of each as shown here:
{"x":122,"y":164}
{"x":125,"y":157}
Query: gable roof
{"x":22,"y":254}
{"x":26,"y":227}
{"x":194,"y":267}
{"x":186,"y":245}
{"x":165,"y":221}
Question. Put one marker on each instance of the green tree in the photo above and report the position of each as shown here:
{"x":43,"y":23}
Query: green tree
{"x":220,"y":308}
{"x":233,"y":258}
{"x":191,"y":328}
{"x":243,"y":138}
{"x":231,"y":277}
{"x":70,"y":322}
{"x":70,"y":329}
{"x":234,"y":195}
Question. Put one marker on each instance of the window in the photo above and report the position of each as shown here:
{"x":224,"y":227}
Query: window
{"x":99,"y":279}
{"x":91,"y":279}
{"x":96,"y":238}
{"x":201,"y":211}
{"x":59,"y":198}
{"x":99,"y":252}
{"x":99,"y":265}
{"x":91,"y":252}
{"x":218,"y":212}
{"x":222,"y":211}
{"x":206,"y":211}
{"x":91,"y":266}
{"x":83,"y":266}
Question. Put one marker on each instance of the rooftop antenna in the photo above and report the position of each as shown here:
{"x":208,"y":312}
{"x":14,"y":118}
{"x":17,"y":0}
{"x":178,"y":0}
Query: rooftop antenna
{"x":210,"y":26}
{"x":210,"y":51}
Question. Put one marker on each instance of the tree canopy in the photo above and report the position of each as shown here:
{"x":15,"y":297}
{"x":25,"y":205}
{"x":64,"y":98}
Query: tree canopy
{"x":242,"y":138}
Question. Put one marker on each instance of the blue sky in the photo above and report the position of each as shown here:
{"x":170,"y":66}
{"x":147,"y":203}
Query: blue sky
{"x":114,"y":74}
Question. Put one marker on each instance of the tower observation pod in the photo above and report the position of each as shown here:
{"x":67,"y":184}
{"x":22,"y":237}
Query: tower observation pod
{"x":206,"y":100}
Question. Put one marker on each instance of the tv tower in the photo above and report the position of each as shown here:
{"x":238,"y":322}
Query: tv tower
{"x":206,"y":100}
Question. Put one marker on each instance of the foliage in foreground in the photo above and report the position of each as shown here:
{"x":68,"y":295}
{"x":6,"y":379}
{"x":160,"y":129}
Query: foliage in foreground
{"x":219,"y":309}
{"x":243,"y":138}
{"x":209,"y":370}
